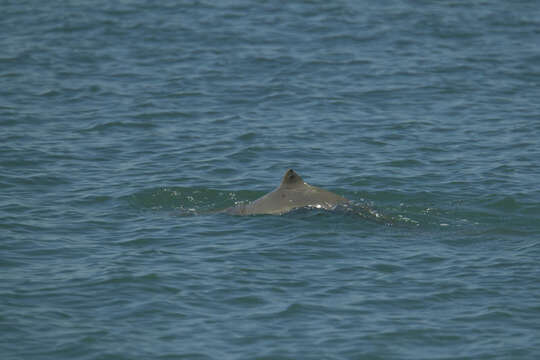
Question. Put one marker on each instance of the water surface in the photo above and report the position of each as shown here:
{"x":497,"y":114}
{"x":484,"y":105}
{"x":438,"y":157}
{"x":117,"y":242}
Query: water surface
{"x":125,"y":126}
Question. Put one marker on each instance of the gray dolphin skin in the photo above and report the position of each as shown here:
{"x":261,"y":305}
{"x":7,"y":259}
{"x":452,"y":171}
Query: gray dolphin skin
{"x":292,"y":193}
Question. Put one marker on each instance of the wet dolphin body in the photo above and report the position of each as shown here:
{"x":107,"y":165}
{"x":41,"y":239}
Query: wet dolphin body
{"x":292,"y":193}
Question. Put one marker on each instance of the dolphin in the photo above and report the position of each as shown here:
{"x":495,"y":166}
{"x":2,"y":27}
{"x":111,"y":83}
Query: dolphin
{"x":292,"y":193}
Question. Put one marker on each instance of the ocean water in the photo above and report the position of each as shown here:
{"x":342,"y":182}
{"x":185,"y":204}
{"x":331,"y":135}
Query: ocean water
{"x":126,"y":126}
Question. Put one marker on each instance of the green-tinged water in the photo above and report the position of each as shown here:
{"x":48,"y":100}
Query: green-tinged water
{"x":125,"y":127}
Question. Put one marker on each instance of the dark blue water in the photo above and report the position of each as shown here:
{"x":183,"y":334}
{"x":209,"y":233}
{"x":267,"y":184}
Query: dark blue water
{"x":125,"y":126}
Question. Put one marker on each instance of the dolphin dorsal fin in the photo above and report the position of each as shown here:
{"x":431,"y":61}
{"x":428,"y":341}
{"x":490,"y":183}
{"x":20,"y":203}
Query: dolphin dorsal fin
{"x":291,"y":179}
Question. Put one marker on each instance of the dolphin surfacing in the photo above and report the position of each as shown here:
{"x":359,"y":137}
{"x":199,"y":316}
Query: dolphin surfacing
{"x":292,"y":193}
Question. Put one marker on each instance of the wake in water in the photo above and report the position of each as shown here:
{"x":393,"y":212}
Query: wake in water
{"x":202,"y":201}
